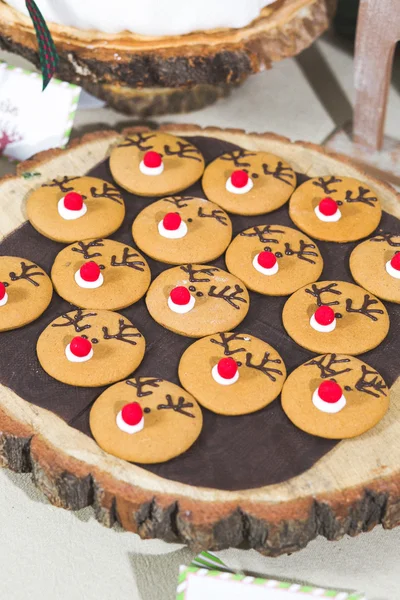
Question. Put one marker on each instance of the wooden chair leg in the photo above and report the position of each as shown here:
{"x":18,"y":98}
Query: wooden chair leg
{"x":378,"y":30}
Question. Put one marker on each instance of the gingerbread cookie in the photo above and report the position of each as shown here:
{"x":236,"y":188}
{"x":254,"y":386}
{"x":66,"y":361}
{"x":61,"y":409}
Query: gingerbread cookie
{"x":75,"y":208}
{"x":25,"y":292}
{"x":335,"y":316}
{"x":197,"y":300}
{"x":182,"y":229}
{"x":246,"y":182}
{"x":155,"y":164}
{"x":145,"y":420}
{"x":90,"y":348}
{"x":375,"y":264}
{"x":335,"y":396}
{"x":100,"y":274}
{"x":274,"y":260}
{"x":232,"y":373}
{"x":335,"y":209}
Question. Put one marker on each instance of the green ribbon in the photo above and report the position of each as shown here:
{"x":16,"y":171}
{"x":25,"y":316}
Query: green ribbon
{"x":47,"y":50}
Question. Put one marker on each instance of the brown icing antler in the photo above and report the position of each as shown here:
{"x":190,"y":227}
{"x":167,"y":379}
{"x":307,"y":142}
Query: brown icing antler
{"x":27,"y":273}
{"x":138,"y":140}
{"x":61,"y":184}
{"x":365,"y":307}
{"x":121,"y":335}
{"x":125,"y":262}
{"x":185,"y":150}
{"x":384,"y":236}
{"x":237,"y":157}
{"x":326,"y":363}
{"x":216,"y":214}
{"x":302,"y":253}
{"x":193,"y":272}
{"x":325,"y":182}
{"x":78,"y":317}
{"x":327,"y":289}
{"x":261,"y":231}
{"x":226,"y":339}
{"x":179,"y":201}
{"x":139,"y":383}
{"x":377,"y":384}
{"x":178,"y":407}
{"x":262,"y":365}
{"x":108,"y":191}
{"x":362,"y":197}
{"x":284,"y":174}
{"x":85,"y":248}
{"x":230,"y":298}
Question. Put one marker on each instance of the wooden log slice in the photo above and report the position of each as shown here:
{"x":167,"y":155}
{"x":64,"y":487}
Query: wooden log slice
{"x":155,"y":101}
{"x":351,"y":489}
{"x":221,"y":56}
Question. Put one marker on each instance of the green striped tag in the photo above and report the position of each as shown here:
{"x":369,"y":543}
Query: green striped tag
{"x":208,"y":565}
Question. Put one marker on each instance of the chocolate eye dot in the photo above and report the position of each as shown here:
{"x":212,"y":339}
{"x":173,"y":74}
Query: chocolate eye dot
{"x":6,"y":284}
{"x":95,"y":341}
{"x":278,"y":254}
{"x":147,"y":410}
{"x":339,"y":202}
{"x":199,"y":294}
{"x":189,"y":220}
{"x":192,"y":288}
{"x":101,"y":267}
{"x":347,"y":388}
{"x":239,"y":364}
{"x":254,"y":175}
{"x":85,"y":337}
{"x":267,"y":249}
{"x":338,"y":315}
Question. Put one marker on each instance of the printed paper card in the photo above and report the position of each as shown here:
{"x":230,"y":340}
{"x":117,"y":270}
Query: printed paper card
{"x":32,"y":120}
{"x":208,"y":577}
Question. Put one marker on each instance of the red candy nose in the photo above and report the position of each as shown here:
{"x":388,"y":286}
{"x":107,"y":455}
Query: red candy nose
{"x":324,"y":315}
{"x":330,"y":391}
{"x":132,"y":413}
{"x":180,"y":295}
{"x":227,"y":368}
{"x":239,"y":178}
{"x":73,"y":201}
{"x":80,"y":347}
{"x":2,"y":290}
{"x":327,"y":207}
{"x":395,"y":262}
{"x":267,"y":260}
{"x":172,"y":221}
{"x":90,"y":271}
{"x":152,"y":159}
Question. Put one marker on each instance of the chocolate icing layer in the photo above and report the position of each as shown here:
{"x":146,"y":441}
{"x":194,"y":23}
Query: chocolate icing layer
{"x":232,"y":452}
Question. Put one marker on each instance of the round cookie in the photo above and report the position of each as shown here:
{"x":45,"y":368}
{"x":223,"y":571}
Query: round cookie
{"x":375,"y":264}
{"x":100,"y":274}
{"x":90,"y":348}
{"x":197,"y":300}
{"x":246,"y":182}
{"x":25,"y":292}
{"x":335,"y":316}
{"x":160,"y":422}
{"x":335,"y":396}
{"x":335,"y":209}
{"x":155,"y":164}
{"x":182,"y":229}
{"x":274,"y":260}
{"x":232,"y":373}
{"x":75,"y":208}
